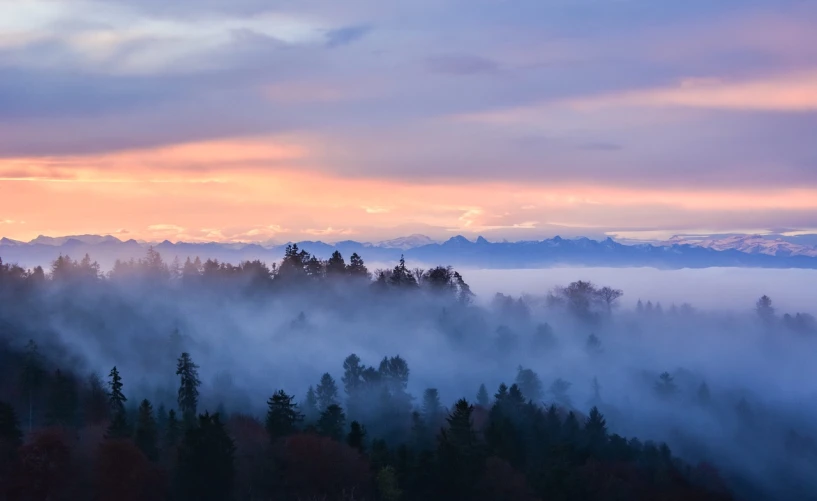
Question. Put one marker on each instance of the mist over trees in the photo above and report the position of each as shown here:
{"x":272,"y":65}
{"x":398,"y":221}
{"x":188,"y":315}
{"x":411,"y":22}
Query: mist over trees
{"x":312,"y":379}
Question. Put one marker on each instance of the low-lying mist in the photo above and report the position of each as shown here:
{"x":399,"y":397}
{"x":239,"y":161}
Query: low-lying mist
{"x":699,"y":362}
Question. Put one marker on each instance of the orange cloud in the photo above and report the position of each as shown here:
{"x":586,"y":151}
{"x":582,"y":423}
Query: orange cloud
{"x":260,"y":188}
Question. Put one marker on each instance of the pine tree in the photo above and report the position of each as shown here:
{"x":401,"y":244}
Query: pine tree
{"x":206,"y":462}
{"x":529,"y":383}
{"x":326,"y":392}
{"x":356,"y":268}
{"x":188,"y":395}
{"x":282,"y":416}
{"x":32,"y":377}
{"x":665,"y":386}
{"x":596,"y":429}
{"x":172,"y":431}
{"x":332,"y":422}
{"x":116,"y":399}
{"x":464,"y":294}
{"x":356,"y":437}
{"x":118,"y":427}
{"x":431,"y":405}
{"x":353,"y":383}
{"x":336,"y":266}
{"x":501,"y":394}
{"x":147,"y":434}
{"x":460,"y":454}
{"x":483,"y":400}
{"x":10,"y":433}
{"x":310,"y":406}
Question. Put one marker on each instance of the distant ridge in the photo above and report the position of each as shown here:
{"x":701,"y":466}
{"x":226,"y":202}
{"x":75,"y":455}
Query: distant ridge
{"x":457,"y":251}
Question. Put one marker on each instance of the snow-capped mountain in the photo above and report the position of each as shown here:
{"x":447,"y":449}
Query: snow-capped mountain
{"x":406,"y":243}
{"x":750,"y":244}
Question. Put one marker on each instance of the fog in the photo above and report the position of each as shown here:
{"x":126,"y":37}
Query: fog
{"x":252,"y":338}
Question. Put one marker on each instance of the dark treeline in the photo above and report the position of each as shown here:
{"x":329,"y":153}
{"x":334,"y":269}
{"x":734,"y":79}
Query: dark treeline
{"x":102,"y":396}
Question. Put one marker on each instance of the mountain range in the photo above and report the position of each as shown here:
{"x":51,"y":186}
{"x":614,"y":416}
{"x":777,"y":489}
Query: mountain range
{"x":678,"y":252}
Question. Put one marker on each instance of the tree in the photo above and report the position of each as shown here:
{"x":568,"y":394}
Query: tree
{"x":401,"y":276}
{"x":172,"y":431}
{"x":336,"y":266}
{"x":593,"y":345}
{"x":147,"y":434}
{"x":431,"y":405}
{"x":118,"y":427}
{"x":32,"y":377}
{"x":665,"y":386}
{"x":559,"y":389}
{"x":610,"y":297}
{"x":10,"y":433}
{"x":356,"y":268}
{"x":387,"y":485}
{"x":96,"y":408}
{"x":326,"y":392}
{"x":501,"y":394}
{"x":206,"y":463}
{"x":596,"y":429}
{"x":310,"y":406}
{"x":332,"y":422}
{"x":357,"y":436}
{"x":483,"y":400}
{"x":529,"y":384}
{"x":353,"y":383}
{"x":282,"y":415}
{"x":464,"y":293}
{"x":764,"y":309}
{"x":459,"y":453}
{"x":63,"y":401}
{"x":188,"y":395}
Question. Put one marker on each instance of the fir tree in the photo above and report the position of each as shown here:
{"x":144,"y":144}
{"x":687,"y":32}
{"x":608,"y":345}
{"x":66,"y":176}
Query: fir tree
{"x":118,"y":427}
{"x":116,"y":399}
{"x":356,"y":437}
{"x":147,"y":434}
{"x":10,"y":433}
{"x":501,"y":394}
{"x":596,"y":429}
{"x":282,"y":416}
{"x":483,"y":400}
{"x":431,"y":405}
{"x":97,"y":408}
{"x":332,"y":422}
{"x":326,"y":392}
{"x":172,"y":431}
{"x":32,"y":377}
{"x":459,"y":453}
{"x":336,"y":266}
{"x":206,"y":462}
{"x":188,"y":395}
{"x":310,"y":406}
{"x":665,"y":386}
{"x":529,"y":383}
{"x":356,"y":268}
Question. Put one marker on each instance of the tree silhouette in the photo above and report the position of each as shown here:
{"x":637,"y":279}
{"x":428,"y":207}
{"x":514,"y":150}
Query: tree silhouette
{"x":483,"y":400}
{"x":206,"y":463}
{"x":188,"y":394}
{"x":146,"y":436}
{"x":32,"y":377}
{"x":326,"y":392}
{"x":357,"y":436}
{"x":282,"y":415}
{"x":118,"y":427}
{"x":332,"y":422}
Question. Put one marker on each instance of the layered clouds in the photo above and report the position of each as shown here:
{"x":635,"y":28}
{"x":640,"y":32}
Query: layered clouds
{"x":251,"y":120}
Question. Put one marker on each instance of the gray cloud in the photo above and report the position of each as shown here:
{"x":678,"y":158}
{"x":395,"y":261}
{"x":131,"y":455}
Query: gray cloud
{"x":346,"y":35}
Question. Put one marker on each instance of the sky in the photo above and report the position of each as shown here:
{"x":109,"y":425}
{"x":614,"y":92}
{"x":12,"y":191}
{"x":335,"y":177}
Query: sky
{"x":259,"y":120}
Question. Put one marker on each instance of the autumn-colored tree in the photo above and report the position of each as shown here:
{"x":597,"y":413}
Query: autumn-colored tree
{"x":124,"y":473}
{"x":44,"y":469}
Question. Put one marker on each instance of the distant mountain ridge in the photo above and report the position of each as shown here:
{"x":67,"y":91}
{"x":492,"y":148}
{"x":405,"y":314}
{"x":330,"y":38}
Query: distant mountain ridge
{"x":751,"y":244}
{"x":456,"y":251}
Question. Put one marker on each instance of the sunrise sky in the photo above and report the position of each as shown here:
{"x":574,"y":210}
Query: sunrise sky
{"x":259,"y":120}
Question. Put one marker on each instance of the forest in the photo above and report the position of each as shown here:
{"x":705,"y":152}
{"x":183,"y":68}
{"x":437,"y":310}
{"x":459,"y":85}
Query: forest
{"x":324,"y":380}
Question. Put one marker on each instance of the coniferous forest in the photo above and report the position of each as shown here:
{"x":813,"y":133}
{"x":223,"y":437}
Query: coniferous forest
{"x":325,"y":380}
